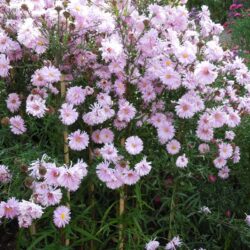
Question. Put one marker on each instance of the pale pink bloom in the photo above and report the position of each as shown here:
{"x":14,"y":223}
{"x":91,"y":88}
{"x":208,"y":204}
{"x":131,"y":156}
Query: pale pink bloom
{"x":27,"y":208}
{"x":126,"y":112}
{"x":184,"y":109}
{"x":37,"y":79}
{"x":213,"y":51}
{"x":236,"y":155}
{"x":17,"y":125}
{"x":173,"y":147}
{"x":116,"y":181}
{"x":205,"y":73}
{"x":119,"y":87}
{"x":106,"y":135}
{"x":166,"y":132}
{"x":81,"y":168}
{"x":70,"y":178}
{"x":233,"y":119}
{"x":205,"y":121}
{"x":182,"y":161}
{"x":96,"y":136}
{"x":186,"y":54}
{"x":134,"y":145}
{"x":225,"y":150}
{"x":224,"y":172}
{"x":143,"y":167}
{"x":219,"y":162}
{"x":50,"y":74}
{"x":218,"y":118}
{"x":13,"y":102}
{"x":229,"y":135}
{"x":111,"y":48}
{"x":52,"y":174}
{"x":174,"y":243}
{"x":10,"y":208}
{"x":170,"y":78}
{"x":103,"y":172}
{"x":205,"y":134}
{"x":204,"y":148}
{"x":130,"y":177}
{"x":152,"y":245}
{"x":109,"y":152}
{"x":158,"y":119}
{"x":61,"y":216}
{"x":5,"y":175}
{"x":35,"y":106}
{"x":104,"y":99}
{"x":68,"y":114}
{"x":4,"y":65}
{"x":247,"y":220}
{"x":78,"y":140}
{"x":24,"y":221}
{"x":75,"y":95}
{"x":53,"y":197}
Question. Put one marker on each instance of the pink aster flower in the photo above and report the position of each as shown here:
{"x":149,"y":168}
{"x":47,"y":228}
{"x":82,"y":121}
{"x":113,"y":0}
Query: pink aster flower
{"x":166,"y":132}
{"x":5,"y":175}
{"x":134,"y":145}
{"x":182,"y":161}
{"x":106,"y":135}
{"x":152,"y":245}
{"x":103,"y":172}
{"x":170,"y":78}
{"x":13,"y":102}
{"x":204,"y":148}
{"x":70,"y":178}
{"x":224,"y":172}
{"x":68,"y":114}
{"x":96,"y":136}
{"x":184,"y":109}
{"x":174,"y":243}
{"x":247,"y":220}
{"x":218,"y":118}
{"x":75,"y":95}
{"x":219,"y":162}
{"x":35,"y":106}
{"x":233,"y":119}
{"x":205,"y":134}
{"x":50,"y":74}
{"x":109,"y":152}
{"x":173,"y":147}
{"x":17,"y":125}
{"x":130,"y":177}
{"x":205,"y":73}
{"x":126,"y":111}
{"x":225,"y":150}
{"x":4,"y":65}
{"x":143,"y":167}
{"x":10,"y":208}
{"x":52,"y":197}
{"x":61,"y":216}
{"x":229,"y":135}
{"x":78,"y":140}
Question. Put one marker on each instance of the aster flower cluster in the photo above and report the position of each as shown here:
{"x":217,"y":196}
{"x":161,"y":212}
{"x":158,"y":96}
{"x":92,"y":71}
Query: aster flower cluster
{"x":24,"y":211}
{"x":121,"y":71}
{"x":171,"y":245}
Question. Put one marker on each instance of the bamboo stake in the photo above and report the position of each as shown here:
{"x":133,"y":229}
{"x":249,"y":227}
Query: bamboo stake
{"x":65,"y":150}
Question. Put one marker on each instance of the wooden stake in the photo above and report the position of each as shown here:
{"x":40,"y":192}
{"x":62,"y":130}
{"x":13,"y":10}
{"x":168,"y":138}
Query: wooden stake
{"x":65,"y":149}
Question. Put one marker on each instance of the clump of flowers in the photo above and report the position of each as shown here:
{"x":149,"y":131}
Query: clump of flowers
{"x":116,"y":74}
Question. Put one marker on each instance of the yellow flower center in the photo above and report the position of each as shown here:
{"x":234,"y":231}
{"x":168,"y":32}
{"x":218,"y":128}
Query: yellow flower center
{"x":63,"y":216}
